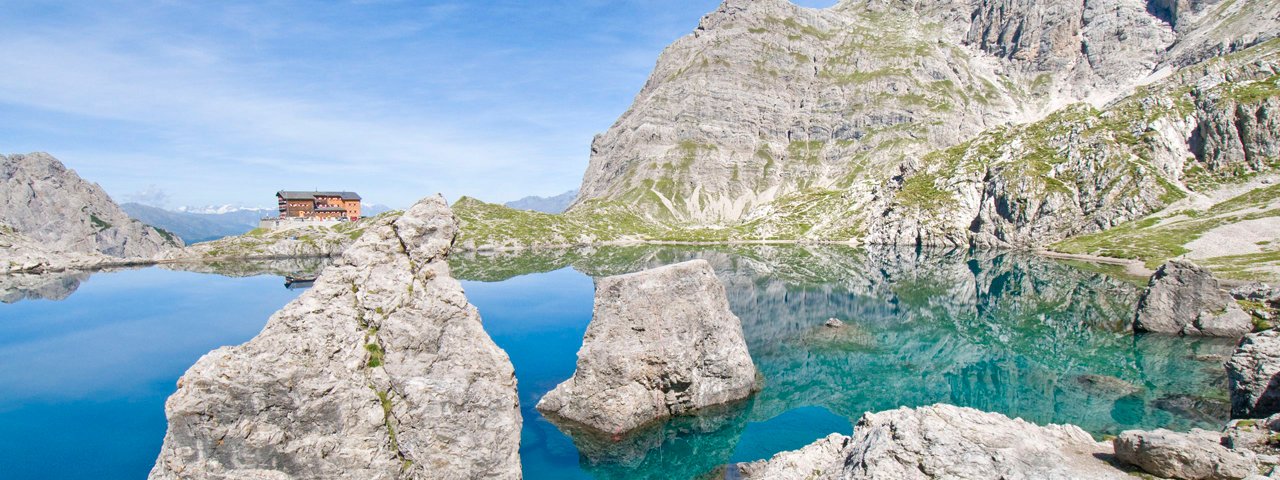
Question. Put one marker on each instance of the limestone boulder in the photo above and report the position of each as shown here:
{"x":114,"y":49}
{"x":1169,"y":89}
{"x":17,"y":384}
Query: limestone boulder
{"x":1184,"y":298}
{"x":1198,"y":455}
{"x":661,"y":343}
{"x":1253,"y":376}
{"x":382,"y":370}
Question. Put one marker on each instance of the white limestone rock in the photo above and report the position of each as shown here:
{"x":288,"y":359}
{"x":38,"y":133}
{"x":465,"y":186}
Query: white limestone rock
{"x":1253,"y":376}
{"x":944,"y":441}
{"x":662,"y":342}
{"x":1198,"y":455}
{"x":382,"y":370}
{"x":1183,"y":298}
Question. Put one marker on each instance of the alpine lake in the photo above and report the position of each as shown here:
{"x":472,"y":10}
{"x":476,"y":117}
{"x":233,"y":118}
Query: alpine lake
{"x":87,"y":361}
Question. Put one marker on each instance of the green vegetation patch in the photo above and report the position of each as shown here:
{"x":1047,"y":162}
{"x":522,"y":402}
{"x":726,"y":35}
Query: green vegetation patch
{"x":99,"y":223}
{"x":921,"y":191}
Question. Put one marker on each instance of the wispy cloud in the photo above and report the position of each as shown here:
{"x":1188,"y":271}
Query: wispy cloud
{"x":222,"y":102}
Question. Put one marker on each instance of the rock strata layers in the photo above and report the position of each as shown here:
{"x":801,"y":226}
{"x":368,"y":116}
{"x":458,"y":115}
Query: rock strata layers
{"x":1183,"y":298}
{"x":43,"y":200}
{"x":1253,"y":375}
{"x":382,"y":370}
{"x":661,"y":343}
{"x":977,"y":122}
{"x":943,"y":441}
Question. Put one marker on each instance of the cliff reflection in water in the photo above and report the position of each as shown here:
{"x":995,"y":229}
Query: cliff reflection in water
{"x":1012,"y":333}
{"x":60,"y":286}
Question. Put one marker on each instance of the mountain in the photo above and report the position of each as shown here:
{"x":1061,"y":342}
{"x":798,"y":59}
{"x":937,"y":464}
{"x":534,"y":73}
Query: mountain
{"x":45,"y":202}
{"x":374,"y":210}
{"x":219,"y":209}
{"x":556,"y":204}
{"x":1006,"y":123}
{"x":767,"y":100}
{"x":199,"y":227}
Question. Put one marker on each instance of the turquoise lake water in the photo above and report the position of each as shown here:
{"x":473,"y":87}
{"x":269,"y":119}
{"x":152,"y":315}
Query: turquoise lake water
{"x":87,"y":362}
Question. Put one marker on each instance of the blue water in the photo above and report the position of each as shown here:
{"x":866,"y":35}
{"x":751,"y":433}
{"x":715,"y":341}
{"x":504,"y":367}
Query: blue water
{"x":85,"y":378}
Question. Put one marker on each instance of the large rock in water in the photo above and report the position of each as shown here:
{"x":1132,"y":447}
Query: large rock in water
{"x":1253,"y":375}
{"x":1186,"y":299}
{"x":944,"y":441}
{"x":1192,"y":456}
{"x":42,"y":199}
{"x":382,"y":370}
{"x":662,"y":342}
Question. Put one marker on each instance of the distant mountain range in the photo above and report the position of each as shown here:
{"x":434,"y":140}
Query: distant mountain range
{"x":556,"y":204}
{"x":195,"y":227}
{"x":219,"y":209}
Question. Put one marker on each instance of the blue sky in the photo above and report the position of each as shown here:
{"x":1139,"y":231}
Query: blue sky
{"x":194,"y":103}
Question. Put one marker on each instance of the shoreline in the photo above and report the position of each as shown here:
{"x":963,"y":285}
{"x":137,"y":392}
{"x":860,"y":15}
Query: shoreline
{"x":1134,"y":268}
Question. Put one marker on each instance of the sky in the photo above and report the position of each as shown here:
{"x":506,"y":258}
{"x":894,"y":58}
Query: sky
{"x":187,"y":103}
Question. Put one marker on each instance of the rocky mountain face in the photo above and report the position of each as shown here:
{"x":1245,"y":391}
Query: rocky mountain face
{"x":980,"y":122}
{"x":382,"y":370}
{"x":44,"y":201}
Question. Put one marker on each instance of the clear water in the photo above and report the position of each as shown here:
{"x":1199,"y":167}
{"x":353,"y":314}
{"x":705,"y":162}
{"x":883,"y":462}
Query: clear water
{"x":85,"y":377}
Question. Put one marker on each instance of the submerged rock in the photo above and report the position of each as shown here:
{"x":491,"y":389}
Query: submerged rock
{"x":1184,"y":298}
{"x":382,"y":370}
{"x":1253,"y":375}
{"x":662,"y":342}
{"x":943,"y":441}
{"x":1198,"y":455}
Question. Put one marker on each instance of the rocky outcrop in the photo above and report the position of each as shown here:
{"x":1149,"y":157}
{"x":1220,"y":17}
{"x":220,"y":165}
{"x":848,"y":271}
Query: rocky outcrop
{"x":1184,"y":298}
{"x":1198,"y":455}
{"x":381,"y":370}
{"x":944,"y":441}
{"x":661,"y":343}
{"x":284,"y":243}
{"x":1237,"y":129}
{"x":1007,"y":123}
{"x":43,"y":200}
{"x":20,"y":254}
{"x":1253,"y":375}
{"x":784,"y":120}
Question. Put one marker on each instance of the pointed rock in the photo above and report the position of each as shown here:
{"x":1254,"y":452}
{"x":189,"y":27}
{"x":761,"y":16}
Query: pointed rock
{"x":382,"y":370}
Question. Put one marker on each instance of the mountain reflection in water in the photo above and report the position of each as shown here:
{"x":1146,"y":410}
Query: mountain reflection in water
{"x":1012,"y":333}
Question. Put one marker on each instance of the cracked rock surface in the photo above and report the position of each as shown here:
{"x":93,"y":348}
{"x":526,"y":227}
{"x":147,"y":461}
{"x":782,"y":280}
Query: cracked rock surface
{"x":1184,"y":298}
{"x":382,"y":370}
{"x":944,"y":441}
{"x":661,"y":343}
